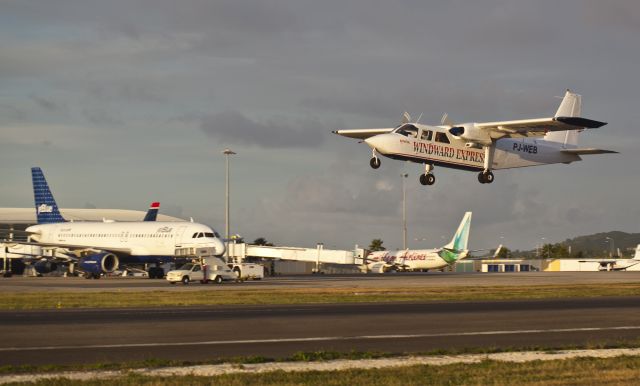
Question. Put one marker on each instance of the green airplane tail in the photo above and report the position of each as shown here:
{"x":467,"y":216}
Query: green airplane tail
{"x":460,"y":240}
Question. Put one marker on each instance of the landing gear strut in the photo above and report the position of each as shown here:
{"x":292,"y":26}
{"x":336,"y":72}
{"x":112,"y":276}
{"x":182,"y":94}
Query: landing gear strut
{"x":486,"y":176}
{"x":375,"y":161}
{"x":427,"y":178}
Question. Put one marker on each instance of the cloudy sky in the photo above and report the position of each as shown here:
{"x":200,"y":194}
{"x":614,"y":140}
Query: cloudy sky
{"x":125,"y":102}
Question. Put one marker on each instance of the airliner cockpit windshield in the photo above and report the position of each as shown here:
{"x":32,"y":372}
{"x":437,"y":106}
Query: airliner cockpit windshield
{"x":211,"y":235}
{"x":407,"y":130}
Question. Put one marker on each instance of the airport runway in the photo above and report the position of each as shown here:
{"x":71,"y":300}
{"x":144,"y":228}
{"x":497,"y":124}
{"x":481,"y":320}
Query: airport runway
{"x":204,"y":333}
{"x":404,"y":280}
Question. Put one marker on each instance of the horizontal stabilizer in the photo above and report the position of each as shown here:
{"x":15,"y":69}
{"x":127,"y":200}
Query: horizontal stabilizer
{"x":588,"y":150}
{"x":581,"y":122}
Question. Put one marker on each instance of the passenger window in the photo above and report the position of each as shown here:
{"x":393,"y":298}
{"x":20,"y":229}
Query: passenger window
{"x":442,"y":137}
{"x":426,"y":135}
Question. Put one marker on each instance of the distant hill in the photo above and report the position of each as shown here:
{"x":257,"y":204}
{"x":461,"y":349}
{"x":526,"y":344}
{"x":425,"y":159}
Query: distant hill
{"x":596,"y":245}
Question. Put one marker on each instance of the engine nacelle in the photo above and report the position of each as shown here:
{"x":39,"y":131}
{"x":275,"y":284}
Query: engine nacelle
{"x":100,"y":262}
{"x":45,"y":266}
{"x":469,"y":132}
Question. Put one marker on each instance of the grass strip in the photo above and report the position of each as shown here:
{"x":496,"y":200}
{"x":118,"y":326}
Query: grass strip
{"x":207,"y":297}
{"x":583,"y":371}
{"x":315,"y":356}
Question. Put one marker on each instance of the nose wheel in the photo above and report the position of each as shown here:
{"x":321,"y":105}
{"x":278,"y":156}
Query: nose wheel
{"x":485,"y":177}
{"x":374,"y":162}
{"x":427,"y":179}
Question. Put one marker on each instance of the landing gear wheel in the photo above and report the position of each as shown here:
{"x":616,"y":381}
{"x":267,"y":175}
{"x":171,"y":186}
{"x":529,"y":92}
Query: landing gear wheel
{"x":485,"y":177}
{"x":488,"y":177}
{"x":427,"y":179}
{"x":375,"y":162}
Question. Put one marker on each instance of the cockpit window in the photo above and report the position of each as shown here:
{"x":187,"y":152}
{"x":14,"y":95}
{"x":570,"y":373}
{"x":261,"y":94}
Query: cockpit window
{"x":442,"y":137}
{"x":194,"y":235}
{"x":408,"y":131}
{"x":208,"y":234}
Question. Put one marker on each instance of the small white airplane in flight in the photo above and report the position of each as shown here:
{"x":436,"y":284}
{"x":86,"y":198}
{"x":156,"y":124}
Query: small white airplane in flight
{"x":484,"y":146}
{"x":424,"y":259}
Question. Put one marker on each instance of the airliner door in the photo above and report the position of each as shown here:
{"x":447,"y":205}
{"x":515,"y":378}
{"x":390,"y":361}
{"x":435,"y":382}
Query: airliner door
{"x":124,"y":236}
{"x":179,"y":233}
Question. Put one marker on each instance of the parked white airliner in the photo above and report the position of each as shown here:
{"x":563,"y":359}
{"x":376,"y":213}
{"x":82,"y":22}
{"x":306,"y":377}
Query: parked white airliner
{"x":484,"y":146}
{"x":101,"y":247}
{"x":424,"y":259}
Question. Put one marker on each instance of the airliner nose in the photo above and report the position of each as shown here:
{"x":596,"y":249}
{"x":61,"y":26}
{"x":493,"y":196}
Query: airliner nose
{"x":219,"y":246}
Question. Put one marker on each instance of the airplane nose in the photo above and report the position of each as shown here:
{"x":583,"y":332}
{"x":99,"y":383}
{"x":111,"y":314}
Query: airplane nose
{"x":219,"y":246}
{"x":373,"y":142}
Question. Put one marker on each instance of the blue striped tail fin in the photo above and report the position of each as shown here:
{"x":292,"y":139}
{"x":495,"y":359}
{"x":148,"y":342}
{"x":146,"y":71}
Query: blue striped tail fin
{"x":152,"y":213}
{"x":46,"y":208}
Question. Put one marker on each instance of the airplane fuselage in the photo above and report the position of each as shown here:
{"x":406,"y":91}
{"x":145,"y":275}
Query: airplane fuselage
{"x":443,"y":149}
{"x":142,"y":241}
{"x":410,"y":260}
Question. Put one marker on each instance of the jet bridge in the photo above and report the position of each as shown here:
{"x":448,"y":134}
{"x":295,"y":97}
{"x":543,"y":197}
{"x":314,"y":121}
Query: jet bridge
{"x":318,"y":255}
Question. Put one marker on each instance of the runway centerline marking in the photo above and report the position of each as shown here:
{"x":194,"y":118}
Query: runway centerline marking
{"x":322,"y":338}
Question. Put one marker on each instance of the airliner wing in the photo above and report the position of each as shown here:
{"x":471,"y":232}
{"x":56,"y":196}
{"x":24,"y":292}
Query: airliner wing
{"x":537,"y":127}
{"x":362,"y":133}
{"x":71,"y":247}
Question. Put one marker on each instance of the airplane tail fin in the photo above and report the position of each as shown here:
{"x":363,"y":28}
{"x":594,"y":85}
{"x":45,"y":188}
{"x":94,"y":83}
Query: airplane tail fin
{"x":46,"y":208}
{"x":152,"y":213}
{"x":460,"y":239}
{"x":571,"y":106}
{"x":497,"y":252}
{"x":637,"y":255}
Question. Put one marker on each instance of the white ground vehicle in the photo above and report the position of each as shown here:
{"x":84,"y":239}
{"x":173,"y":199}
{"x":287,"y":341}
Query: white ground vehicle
{"x":202,"y":270}
{"x":247,"y":271}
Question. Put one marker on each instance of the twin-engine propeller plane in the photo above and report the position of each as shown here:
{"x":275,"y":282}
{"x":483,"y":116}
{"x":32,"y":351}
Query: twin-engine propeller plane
{"x":483,"y":147}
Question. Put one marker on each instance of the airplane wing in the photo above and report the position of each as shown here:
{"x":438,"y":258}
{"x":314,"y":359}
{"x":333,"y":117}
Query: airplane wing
{"x":362,"y":133}
{"x":536,"y":127}
{"x":69,"y":246}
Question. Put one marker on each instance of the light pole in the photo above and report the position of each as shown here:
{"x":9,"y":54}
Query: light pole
{"x":541,"y":248}
{"x":227,"y":152}
{"x":404,"y":211}
{"x":612,"y":246}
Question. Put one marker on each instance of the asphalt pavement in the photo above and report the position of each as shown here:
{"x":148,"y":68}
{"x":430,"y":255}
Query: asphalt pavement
{"x":206,"y":333}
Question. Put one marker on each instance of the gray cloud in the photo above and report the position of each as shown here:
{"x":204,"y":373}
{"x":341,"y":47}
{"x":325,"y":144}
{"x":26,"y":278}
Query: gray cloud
{"x":234,"y":127}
